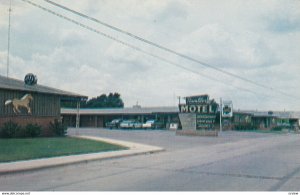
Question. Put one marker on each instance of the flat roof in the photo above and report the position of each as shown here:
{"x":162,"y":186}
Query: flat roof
{"x":278,"y":114}
{"x":103,"y":111}
{"x":19,"y":85}
{"x":168,"y":110}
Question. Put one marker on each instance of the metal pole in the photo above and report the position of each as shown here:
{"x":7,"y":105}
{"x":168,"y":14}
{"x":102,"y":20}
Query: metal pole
{"x":8,"y":39}
{"x":220,"y":114}
{"x":179,"y":97}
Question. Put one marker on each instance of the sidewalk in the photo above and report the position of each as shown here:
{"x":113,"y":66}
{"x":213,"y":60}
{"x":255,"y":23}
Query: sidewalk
{"x":134,"y":149}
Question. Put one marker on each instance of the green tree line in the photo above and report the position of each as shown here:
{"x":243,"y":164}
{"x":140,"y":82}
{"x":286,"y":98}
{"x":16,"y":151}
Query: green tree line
{"x":112,"y":100}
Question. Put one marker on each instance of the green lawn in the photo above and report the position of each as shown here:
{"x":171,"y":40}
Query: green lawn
{"x":262,"y":131}
{"x":25,"y":149}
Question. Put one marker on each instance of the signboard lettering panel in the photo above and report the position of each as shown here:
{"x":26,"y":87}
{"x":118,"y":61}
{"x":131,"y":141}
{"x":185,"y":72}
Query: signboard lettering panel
{"x":194,"y":100}
{"x":205,"y":121}
{"x":203,"y":108}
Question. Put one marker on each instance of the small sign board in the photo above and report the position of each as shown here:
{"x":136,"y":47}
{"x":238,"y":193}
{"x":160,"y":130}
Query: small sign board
{"x":195,"y":100}
{"x":227,"y":109}
{"x":173,"y":126}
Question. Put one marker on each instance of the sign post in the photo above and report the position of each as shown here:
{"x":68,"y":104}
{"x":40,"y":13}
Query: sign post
{"x":226,"y":112}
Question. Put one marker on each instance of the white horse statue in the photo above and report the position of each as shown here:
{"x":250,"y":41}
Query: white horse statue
{"x":23,"y":102}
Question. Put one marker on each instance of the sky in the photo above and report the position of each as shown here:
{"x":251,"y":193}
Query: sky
{"x":258,"y":40}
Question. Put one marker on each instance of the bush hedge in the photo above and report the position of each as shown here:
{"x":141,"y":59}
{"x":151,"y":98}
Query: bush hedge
{"x":57,"y":128}
{"x":282,"y":127}
{"x":11,"y":129}
{"x":245,"y":127}
{"x":32,"y":130}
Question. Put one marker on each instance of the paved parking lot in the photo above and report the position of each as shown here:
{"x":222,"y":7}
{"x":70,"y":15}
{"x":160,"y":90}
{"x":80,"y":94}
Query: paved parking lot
{"x":233,"y":161}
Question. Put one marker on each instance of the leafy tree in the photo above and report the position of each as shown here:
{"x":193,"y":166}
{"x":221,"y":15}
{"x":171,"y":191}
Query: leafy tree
{"x":112,"y":100}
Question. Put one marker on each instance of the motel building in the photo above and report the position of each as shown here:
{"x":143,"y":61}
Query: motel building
{"x":198,"y":113}
{"x":99,"y":117}
{"x":25,"y":102}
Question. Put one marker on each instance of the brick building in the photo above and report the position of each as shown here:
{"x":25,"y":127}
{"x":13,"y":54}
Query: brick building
{"x":31,"y":103}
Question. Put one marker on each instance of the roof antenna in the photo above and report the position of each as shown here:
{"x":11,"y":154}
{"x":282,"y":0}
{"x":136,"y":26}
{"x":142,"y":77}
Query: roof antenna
{"x":8,"y":39}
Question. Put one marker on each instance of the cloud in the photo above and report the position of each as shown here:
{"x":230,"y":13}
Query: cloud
{"x":284,"y":24}
{"x":283,"y":18}
{"x":219,"y":47}
{"x":244,"y":38}
{"x":172,"y":12}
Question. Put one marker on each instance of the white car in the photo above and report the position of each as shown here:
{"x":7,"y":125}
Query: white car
{"x":127,"y":124}
{"x":149,"y":124}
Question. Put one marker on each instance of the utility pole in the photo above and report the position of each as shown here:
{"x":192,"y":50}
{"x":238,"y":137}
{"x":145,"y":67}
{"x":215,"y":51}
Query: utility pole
{"x":8,"y":39}
{"x":179,"y":98}
{"x":220,"y":114}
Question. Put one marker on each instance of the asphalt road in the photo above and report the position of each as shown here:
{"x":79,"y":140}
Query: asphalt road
{"x":233,"y":161}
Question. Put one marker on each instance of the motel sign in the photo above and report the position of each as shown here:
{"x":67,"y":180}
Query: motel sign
{"x":203,"y":108}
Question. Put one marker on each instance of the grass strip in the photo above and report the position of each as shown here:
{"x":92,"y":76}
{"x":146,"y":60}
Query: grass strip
{"x":263,"y":131}
{"x":35,"y":148}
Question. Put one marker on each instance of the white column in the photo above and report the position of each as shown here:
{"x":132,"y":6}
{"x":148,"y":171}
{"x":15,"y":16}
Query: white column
{"x":78,"y":114}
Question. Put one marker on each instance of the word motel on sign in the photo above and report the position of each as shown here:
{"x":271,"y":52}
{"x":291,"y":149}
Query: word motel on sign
{"x":197,"y":109}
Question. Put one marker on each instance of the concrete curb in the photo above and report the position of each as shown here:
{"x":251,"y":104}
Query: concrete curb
{"x":28,"y":165}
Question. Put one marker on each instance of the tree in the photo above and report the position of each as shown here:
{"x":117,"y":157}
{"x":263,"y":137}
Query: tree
{"x":112,"y":100}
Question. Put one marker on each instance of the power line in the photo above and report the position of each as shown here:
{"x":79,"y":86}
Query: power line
{"x":137,"y":48}
{"x":169,"y":50}
{"x":133,"y":47}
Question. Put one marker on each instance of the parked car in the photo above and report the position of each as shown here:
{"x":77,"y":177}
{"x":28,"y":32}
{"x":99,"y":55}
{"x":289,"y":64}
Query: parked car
{"x":152,"y":124}
{"x":137,"y":125}
{"x":127,"y":124}
{"x":114,"y":123}
{"x":148,"y":124}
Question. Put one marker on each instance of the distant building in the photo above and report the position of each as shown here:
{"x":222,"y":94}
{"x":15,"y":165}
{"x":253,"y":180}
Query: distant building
{"x":98,"y":117}
{"x":265,"y":120}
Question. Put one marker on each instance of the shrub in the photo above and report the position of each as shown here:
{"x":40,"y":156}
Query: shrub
{"x":10,"y":130}
{"x":243,"y":127}
{"x":278,"y":128}
{"x":58,"y":128}
{"x":32,"y":130}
